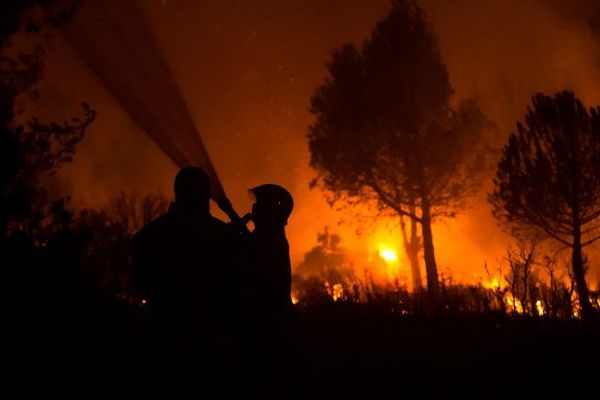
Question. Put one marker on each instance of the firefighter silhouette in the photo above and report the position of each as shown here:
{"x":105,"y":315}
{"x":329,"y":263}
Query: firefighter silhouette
{"x":184,"y":267}
{"x":266,"y":287}
{"x":268,"y":276}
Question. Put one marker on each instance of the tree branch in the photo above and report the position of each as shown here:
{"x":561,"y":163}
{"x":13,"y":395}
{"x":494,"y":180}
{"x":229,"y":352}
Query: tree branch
{"x":549,"y":231}
{"x":379,"y":191}
{"x":590,"y":241}
{"x":591,"y":217}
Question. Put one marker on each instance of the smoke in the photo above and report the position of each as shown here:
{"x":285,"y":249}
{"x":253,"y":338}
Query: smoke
{"x":116,"y":43}
{"x":501,"y":53}
{"x":246,"y":70}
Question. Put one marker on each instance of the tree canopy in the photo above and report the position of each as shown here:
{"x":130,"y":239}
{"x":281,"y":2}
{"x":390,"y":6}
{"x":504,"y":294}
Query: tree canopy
{"x":385,"y":130}
{"x":548,"y":180}
{"x":34,"y":148}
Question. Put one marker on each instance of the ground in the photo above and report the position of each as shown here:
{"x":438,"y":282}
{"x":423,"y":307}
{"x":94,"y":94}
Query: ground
{"x":335,"y":352}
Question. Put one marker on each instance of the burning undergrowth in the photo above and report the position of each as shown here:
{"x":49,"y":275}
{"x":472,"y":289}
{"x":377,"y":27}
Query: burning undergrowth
{"x":527,"y":281}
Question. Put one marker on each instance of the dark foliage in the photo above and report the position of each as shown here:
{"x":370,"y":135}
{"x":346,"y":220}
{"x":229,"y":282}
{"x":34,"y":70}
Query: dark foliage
{"x":548,"y":180}
{"x":385,"y":131}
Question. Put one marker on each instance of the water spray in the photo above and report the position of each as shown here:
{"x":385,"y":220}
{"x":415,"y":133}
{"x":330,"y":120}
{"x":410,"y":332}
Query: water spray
{"x":114,"y":40}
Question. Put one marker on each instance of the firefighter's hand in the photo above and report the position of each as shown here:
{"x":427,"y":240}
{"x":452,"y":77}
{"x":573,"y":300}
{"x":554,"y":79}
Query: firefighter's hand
{"x":226,"y":206}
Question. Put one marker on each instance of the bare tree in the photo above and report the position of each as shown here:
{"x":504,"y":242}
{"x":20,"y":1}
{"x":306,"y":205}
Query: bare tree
{"x":555,"y":294}
{"x":521,"y":262}
{"x":133,"y":213}
{"x":496,"y":287}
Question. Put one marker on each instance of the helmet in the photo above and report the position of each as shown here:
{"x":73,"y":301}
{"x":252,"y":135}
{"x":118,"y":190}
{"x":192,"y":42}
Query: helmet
{"x":276,"y":198}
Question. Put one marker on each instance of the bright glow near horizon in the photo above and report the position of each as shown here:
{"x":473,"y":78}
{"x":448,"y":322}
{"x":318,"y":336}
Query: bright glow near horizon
{"x":388,"y":254}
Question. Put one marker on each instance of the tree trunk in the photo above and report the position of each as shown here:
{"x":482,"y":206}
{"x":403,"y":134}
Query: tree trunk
{"x":428,"y":250}
{"x":579,"y":272}
{"x":412,"y":246}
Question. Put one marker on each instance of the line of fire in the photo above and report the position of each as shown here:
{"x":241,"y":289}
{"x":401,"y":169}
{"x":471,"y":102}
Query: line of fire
{"x":256,"y":199}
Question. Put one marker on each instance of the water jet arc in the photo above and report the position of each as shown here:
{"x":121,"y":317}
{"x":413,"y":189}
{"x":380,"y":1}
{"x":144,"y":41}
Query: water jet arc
{"x":114,"y":40}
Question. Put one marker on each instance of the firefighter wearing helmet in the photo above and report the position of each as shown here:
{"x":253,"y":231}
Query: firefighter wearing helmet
{"x":267,"y":280}
{"x":270,"y":278}
{"x":272,"y":207}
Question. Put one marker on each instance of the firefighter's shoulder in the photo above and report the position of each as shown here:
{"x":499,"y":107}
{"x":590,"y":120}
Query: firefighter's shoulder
{"x":155,"y":228}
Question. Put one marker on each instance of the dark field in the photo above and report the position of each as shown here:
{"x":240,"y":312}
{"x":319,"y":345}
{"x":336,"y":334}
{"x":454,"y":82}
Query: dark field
{"x":333,"y":351}
{"x":383,"y":356}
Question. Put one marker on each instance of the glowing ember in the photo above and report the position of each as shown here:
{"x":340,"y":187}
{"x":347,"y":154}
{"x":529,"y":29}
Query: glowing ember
{"x":294,"y":298}
{"x":388,"y":254}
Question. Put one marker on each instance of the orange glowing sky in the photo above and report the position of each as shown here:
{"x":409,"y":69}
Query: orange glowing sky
{"x":248,"y":68}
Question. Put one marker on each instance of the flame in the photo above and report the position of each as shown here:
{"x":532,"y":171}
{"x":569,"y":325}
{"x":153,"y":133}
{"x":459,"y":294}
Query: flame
{"x":337,"y":292}
{"x":294,"y":298}
{"x":493,"y":284}
{"x":388,"y":254}
{"x":514,"y":304}
{"x":539,"y":307}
